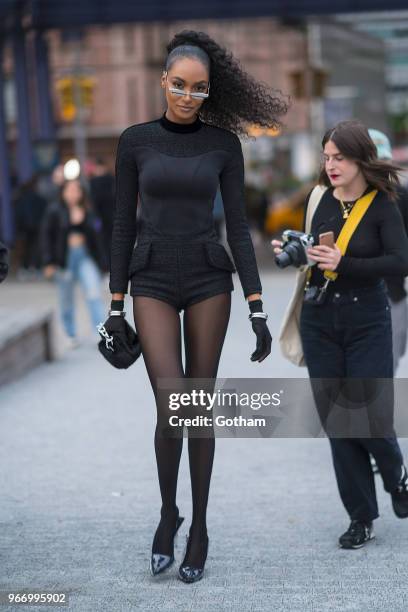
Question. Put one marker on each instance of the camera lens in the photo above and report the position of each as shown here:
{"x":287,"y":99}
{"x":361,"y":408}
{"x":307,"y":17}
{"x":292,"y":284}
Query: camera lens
{"x":292,"y":254}
{"x":283,"y":260}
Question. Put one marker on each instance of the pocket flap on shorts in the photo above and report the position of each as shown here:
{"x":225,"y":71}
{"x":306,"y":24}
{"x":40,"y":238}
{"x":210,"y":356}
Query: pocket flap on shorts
{"x":140,"y":257}
{"x":217,"y":256}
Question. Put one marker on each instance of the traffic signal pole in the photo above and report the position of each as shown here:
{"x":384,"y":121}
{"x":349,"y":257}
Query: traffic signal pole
{"x":80,"y":143}
{"x":315,"y":102}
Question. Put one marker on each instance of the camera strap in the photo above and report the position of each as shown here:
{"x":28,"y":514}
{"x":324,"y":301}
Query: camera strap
{"x":357,"y":213}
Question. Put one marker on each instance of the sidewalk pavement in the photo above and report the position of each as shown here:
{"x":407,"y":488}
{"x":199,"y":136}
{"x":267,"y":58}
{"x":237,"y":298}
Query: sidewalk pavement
{"x":80,"y":499}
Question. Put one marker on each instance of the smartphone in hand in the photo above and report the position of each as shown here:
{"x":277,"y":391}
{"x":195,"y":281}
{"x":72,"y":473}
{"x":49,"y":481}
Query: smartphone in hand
{"x":327,"y":239}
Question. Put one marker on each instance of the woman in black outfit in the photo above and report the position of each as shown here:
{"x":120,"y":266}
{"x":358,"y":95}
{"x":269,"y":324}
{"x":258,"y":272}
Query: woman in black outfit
{"x":175,"y":164}
{"x":349,"y":338}
{"x":72,"y":251}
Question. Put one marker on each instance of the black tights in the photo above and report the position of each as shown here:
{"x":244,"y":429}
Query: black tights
{"x":159,"y":329}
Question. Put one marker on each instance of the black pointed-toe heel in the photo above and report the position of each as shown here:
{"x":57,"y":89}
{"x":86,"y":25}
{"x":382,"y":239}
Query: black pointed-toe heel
{"x":189,"y":573}
{"x":158,"y":562}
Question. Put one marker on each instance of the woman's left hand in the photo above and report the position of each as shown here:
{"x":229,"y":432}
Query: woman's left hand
{"x":327,"y":258}
{"x":263,"y":339}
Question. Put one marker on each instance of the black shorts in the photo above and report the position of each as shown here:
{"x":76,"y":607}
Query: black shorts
{"x":181,"y":273}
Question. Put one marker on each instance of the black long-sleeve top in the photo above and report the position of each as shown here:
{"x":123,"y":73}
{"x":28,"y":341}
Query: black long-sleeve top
{"x":175,"y":170}
{"x":378,"y":247}
{"x":396,"y":284}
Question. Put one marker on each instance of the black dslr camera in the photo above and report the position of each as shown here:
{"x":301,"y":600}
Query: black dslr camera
{"x":294,"y":253}
{"x":294,"y":249}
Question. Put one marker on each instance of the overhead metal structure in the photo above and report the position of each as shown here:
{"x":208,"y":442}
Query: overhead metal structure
{"x":63,"y":13}
{"x":19,"y":16}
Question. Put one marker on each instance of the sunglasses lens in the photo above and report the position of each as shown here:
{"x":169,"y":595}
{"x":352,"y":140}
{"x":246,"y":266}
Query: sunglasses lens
{"x":181,"y":92}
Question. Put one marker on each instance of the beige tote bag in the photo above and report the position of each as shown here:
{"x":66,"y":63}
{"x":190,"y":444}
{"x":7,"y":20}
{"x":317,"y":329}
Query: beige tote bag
{"x":289,"y":335}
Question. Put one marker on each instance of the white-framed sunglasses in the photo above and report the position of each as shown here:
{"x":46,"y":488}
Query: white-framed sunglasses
{"x":197,"y":95}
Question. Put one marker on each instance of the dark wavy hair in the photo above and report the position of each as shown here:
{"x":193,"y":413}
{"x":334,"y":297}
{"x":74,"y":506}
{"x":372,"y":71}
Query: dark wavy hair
{"x":354,"y":142}
{"x":84,"y":202}
{"x":236,"y":98}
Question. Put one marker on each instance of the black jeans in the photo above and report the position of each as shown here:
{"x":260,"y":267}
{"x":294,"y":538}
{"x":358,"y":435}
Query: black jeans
{"x":348,"y":341}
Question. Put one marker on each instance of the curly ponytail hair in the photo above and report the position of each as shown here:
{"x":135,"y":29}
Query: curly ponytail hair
{"x":236,"y":98}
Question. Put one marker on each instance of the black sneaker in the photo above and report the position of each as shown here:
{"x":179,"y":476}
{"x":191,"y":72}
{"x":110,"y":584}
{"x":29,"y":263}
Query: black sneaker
{"x":400,"y":496}
{"x":357,"y":535}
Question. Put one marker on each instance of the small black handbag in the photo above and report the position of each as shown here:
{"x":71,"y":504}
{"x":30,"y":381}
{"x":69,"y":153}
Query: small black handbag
{"x":120,"y":343}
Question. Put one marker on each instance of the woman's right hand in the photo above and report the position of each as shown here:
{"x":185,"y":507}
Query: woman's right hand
{"x":277,"y":244}
{"x":49,"y":271}
{"x":115,"y":324}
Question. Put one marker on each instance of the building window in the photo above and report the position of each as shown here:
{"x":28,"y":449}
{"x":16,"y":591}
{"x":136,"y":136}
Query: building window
{"x":132,"y":100}
{"x":129,"y":40}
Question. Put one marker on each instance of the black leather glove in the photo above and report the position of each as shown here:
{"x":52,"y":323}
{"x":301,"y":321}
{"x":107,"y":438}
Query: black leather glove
{"x":263,"y":336}
{"x":119,"y":342}
{"x":115,"y":323}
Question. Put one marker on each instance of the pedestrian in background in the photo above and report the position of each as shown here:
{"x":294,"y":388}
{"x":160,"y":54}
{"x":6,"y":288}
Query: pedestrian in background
{"x":3,"y":262}
{"x":345,"y":320}
{"x":396,"y":283}
{"x":30,"y":208}
{"x":73,"y":251}
{"x":102,"y":192}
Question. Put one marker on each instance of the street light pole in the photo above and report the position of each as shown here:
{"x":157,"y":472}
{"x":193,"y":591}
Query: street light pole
{"x":80,"y":143}
{"x":314,"y":61}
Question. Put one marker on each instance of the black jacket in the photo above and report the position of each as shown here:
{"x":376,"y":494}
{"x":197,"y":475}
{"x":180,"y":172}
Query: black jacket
{"x":396,"y":284}
{"x":3,"y":262}
{"x":54,"y":237}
